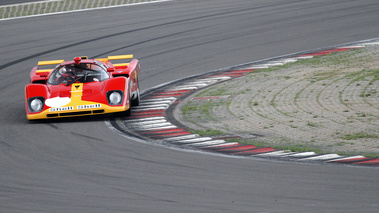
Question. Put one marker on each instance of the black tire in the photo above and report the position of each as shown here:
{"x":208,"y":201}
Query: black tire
{"x":136,"y":100}
{"x":125,"y":113}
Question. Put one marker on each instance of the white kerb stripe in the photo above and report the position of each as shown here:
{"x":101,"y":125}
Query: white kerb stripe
{"x":353,"y":46}
{"x":152,"y":106}
{"x":289,"y":60}
{"x":144,"y":108}
{"x":257,"y":67}
{"x":347,"y":158}
{"x":221,"y":145}
{"x":275,"y":153}
{"x":220,"y":78}
{"x":198,"y":84}
{"x":194,"y":140}
{"x":273,"y":64}
{"x":153,"y":125}
{"x":185,"y":87}
{"x":322,"y":157}
{"x":155,"y":102}
{"x":160,"y":99}
{"x":305,"y":57}
{"x":213,"y":142}
{"x":301,"y":154}
{"x":145,"y":119}
{"x":207,"y":81}
{"x":158,"y":127}
{"x":145,"y":123}
{"x":371,"y":43}
{"x":181,"y":137}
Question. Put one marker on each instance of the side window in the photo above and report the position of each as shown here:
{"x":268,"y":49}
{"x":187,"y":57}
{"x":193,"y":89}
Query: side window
{"x":101,"y":71}
{"x":55,"y":75}
{"x":104,"y":67}
{"x":96,"y":68}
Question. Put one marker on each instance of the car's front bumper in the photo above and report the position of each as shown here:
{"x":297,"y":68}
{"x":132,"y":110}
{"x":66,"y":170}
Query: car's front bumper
{"x":74,"y":112}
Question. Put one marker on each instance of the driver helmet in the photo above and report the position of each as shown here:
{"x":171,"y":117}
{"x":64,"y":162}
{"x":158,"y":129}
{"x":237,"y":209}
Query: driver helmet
{"x":66,"y":70}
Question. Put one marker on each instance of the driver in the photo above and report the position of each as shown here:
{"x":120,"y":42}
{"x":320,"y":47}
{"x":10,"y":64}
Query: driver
{"x":66,"y":74}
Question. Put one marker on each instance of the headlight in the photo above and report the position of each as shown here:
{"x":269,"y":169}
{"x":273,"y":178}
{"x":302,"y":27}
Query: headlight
{"x":35,"y":104}
{"x":115,"y":97}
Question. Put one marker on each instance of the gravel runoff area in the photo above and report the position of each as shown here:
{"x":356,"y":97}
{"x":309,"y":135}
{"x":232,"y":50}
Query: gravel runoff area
{"x":326,"y":104}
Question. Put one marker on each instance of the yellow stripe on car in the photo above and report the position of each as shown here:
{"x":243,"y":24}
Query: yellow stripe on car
{"x":119,"y":57}
{"x":121,"y":64}
{"x":44,"y":70}
{"x":52,"y":62}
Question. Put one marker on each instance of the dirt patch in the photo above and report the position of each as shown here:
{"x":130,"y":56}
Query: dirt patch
{"x":328,"y":104}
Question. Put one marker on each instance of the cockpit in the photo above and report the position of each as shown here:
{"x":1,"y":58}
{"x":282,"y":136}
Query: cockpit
{"x":78,"y":73}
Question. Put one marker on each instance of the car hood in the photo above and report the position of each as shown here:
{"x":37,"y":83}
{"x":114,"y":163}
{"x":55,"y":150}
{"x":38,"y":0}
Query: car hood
{"x":86,"y":89}
{"x":62,"y":95}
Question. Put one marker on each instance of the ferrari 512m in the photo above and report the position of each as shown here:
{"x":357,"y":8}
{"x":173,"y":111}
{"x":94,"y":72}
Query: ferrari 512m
{"x":82,"y":87}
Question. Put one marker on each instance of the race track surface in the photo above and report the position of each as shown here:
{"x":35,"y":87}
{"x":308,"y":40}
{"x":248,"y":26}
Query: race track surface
{"x":80,"y":165}
{"x":10,"y":2}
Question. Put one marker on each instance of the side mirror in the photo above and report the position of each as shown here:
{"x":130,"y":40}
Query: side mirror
{"x":111,"y":69}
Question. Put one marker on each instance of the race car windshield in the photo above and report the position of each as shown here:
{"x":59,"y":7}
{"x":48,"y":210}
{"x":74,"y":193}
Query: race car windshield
{"x":77,"y":73}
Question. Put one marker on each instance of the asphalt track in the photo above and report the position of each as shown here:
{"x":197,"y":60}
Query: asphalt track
{"x":9,"y":2}
{"x":80,"y":165}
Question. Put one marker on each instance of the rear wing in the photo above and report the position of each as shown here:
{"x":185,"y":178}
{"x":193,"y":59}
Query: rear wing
{"x":40,"y":71}
{"x":116,"y":57}
{"x":44,"y":67}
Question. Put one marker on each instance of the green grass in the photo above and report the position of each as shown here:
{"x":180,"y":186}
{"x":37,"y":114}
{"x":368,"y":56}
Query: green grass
{"x":334,"y":67}
{"x":220,"y":90}
{"x":199,"y":111}
{"x":359,"y":135}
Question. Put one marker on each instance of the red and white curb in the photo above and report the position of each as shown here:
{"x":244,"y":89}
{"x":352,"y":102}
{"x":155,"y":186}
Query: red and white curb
{"x":151,"y":121}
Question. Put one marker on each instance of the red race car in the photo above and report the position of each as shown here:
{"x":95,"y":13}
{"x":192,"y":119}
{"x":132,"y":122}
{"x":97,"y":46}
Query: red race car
{"x":82,"y":87}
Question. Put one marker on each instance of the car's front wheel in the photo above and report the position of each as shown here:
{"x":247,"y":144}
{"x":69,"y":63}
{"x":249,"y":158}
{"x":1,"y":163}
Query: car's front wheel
{"x":137,"y":99}
{"x":125,"y":113}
